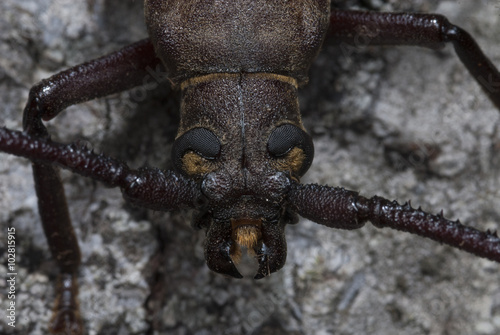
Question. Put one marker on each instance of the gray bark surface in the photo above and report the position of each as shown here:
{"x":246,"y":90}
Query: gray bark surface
{"x":143,"y":272}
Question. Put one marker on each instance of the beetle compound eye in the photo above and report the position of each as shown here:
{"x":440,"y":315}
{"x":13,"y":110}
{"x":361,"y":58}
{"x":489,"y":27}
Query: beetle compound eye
{"x":292,"y":147}
{"x":193,"y":153}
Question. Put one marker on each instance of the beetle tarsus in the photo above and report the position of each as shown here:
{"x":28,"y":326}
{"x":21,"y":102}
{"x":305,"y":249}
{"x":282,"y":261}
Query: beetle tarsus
{"x":66,"y":316}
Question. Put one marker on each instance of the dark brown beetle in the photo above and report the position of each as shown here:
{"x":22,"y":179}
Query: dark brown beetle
{"x":217,"y":185}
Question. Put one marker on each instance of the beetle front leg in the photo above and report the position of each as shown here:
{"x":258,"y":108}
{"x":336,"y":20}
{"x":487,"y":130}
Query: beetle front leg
{"x":425,"y":30}
{"x":63,"y":246}
{"x":113,"y":73}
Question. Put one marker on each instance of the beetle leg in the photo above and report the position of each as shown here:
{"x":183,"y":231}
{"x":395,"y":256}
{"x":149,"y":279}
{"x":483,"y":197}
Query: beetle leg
{"x":116,"y":72}
{"x":425,"y":30}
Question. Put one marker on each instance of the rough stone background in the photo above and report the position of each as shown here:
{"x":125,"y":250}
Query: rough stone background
{"x":403,"y":123}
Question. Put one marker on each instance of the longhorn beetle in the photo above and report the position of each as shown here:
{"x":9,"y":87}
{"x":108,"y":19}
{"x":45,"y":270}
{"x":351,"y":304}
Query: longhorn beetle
{"x":249,"y":226}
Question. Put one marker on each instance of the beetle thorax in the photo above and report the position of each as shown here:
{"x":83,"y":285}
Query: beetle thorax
{"x":194,"y":37}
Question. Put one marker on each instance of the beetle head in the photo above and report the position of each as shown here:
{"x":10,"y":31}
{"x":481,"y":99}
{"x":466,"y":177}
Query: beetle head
{"x":244,"y":155}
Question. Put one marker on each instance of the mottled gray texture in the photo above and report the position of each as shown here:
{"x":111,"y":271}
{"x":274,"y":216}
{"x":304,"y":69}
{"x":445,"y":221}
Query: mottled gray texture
{"x":335,"y":282}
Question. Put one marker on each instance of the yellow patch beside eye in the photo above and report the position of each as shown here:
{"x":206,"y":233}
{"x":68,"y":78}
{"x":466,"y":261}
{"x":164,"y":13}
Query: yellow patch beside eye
{"x":292,"y":161}
{"x":194,"y":164}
